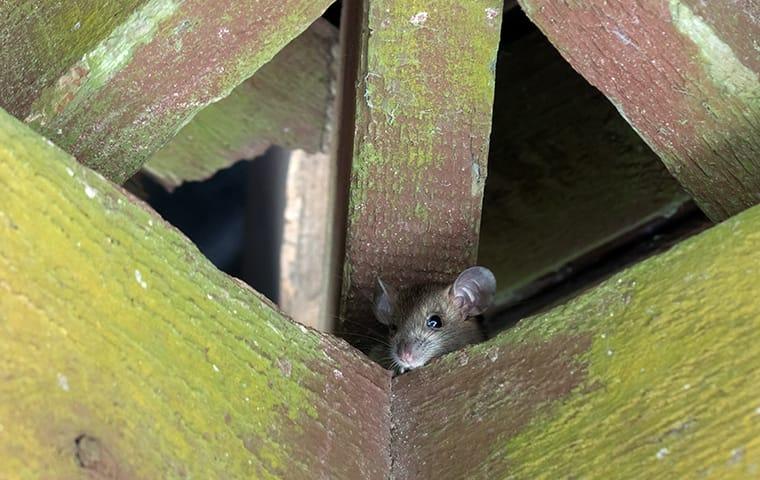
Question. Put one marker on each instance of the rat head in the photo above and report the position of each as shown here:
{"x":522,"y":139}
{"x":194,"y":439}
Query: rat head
{"x":426,"y":321}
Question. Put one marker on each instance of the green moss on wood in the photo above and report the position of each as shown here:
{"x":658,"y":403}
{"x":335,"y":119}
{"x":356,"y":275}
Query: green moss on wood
{"x":669,"y":374}
{"x":140,"y":85}
{"x":424,"y":101}
{"x":286,"y":103}
{"x":115,"y":326}
{"x":42,"y":40}
{"x":567,"y":175}
{"x":687,"y":84}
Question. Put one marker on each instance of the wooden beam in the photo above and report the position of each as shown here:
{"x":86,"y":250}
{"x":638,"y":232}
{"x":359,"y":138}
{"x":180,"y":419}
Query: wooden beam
{"x":653,"y":374}
{"x":567,"y":175}
{"x":684,"y":75}
{"x":126,"y":354}
{"x":289,"y":103}
{"x":131,"y":88}
{"x":423,"y":118}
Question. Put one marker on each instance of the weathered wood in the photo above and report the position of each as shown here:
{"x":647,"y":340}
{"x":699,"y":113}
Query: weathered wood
{"x":287,"y":103}
{"x":126,"y":354}
{"x":130,"y":89}
{"x":42,"y":40}
{"x":423,"y":118}
{"x":567,"y":175}
{"x":653,"y":374}
{"x":684,"y":75}
{"x":305,"y":252}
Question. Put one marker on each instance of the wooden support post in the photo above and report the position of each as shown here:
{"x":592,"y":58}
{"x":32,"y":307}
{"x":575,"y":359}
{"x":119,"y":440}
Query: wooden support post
{"x":113,"y":93}
{"x":424,"y":99}
{"x":289,"y":103}
{"x":684,"y":73}
{"x":126,"y":354}
{"x":307,"y":240}
{"x":653,"y":374}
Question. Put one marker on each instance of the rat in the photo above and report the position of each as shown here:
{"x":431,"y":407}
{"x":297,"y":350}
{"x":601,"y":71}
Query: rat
{"x":427,"y":320}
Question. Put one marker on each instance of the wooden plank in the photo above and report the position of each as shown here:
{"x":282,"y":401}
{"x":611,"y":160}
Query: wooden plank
{"x":423,"y":118}
{"x":685,"y":76}
{"x":289,"y":102}
{"x":567,"y":175}
{"x":134,"y":89}
{"x":305,"y":259}
{"x":42,"y":40}
{"x":653,"y":374}
{"x":126,"y":354}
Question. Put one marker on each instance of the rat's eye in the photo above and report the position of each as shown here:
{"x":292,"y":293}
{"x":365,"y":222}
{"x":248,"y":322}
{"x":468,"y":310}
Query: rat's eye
{"x":434,"y":321}
{"x":392,"y":328}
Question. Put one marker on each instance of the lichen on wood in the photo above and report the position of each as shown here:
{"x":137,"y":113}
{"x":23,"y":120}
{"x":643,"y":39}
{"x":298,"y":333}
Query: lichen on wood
{"x":126,"y":353}
{"x":134,"y":89}
{"x":42,"y":40}
{"x":652,"y":374}
{"x":287,"y":102}
{"x":424,"y":101}
{"x":685,"y":76}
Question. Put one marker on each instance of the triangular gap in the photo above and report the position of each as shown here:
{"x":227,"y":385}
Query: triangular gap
{"x":573,"y":193}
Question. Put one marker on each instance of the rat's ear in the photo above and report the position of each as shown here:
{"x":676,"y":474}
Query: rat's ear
{"x":472,"y":291}
{"x":384,"y":302}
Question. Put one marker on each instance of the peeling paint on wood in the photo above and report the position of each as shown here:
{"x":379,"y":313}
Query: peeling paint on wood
{"x":562,"y":160}
{"x":424,"y":102}
{"x":125,"y":352}
{"x":134,"y":89}
{"x":685,"y":76}
{"x":287,"y":103}
{"x":652,"y":374}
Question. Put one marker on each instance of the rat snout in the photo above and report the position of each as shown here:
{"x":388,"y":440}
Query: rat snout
{"x":405,"y":353}
{"x":408,"y":354}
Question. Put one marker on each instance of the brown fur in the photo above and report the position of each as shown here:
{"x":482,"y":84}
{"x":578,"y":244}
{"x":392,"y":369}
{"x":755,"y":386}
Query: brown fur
{"x":413,"y":307}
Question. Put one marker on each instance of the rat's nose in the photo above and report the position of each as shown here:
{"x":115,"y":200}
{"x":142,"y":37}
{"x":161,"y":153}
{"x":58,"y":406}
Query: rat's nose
{"x":405,"y":353}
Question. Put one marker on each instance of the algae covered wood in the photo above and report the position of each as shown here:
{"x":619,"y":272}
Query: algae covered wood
{"x":126,"y":354}
{"x":41,"y":41}
{"x":569,"y":164}
{"x":288,"y":103}
{"x":423,"y":117}
{"x":128,"y":93}
{"x":684,"y":73}
{"x":652,"y":374}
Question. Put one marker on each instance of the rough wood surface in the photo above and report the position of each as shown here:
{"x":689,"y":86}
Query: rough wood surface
{"x":42,"y":40}
{"x":423,"y":118}
{"x":567,"y":175}
{"x":305,"y":251}
{"x":684,"y":75}
{"x":288,"y":102}
{"x":653,"y":374}
{"x":126,"y":354}
{"x":129,"y":90}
